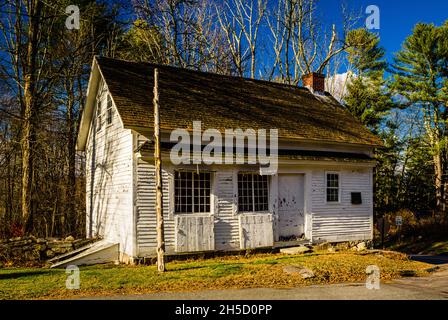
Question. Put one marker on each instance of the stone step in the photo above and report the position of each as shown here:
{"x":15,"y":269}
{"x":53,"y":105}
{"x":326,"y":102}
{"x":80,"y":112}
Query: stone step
{"x":100,"y":252}
{"x":70,"y":254}
{"x":296,"y":250}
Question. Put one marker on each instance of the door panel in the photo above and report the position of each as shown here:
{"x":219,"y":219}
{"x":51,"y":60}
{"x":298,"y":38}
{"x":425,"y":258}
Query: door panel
{"x":291,"y":206}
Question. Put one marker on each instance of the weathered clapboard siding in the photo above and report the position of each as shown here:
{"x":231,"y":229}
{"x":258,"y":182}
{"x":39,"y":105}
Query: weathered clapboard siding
{"x":256,"y":230}
{"x":109,"y":186}
{"x":342,"y":221}
{"x":146,"y":216}
{"x":232,"y":230}
{"x":194,"y":233}
{"x":227,"y":226}
{"x":337,"y":228}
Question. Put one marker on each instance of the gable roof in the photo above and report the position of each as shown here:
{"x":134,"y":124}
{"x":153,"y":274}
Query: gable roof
{"x":222,"y":102}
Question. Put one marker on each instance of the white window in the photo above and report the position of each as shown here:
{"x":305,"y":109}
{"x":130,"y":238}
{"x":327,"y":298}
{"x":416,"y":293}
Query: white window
{"x":192,"y":192}
{"x":99,"y":115}
{"x":332,"y":182}
{"x":253,"y":193}
{"x":109,"y":110}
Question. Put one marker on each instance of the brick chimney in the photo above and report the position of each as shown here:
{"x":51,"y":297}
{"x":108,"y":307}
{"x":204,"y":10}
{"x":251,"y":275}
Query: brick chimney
{"x":314,"y":81}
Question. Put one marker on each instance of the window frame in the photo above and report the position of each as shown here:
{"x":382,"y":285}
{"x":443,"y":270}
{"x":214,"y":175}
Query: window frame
{"x":109,"y":111}
{"x":327,"y":187}
{"x":253,"y":192}
{"x":99,"y":115}
{"x":210,"y":195}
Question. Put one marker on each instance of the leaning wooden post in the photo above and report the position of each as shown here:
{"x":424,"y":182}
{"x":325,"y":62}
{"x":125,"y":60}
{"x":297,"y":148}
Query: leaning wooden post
{"x":158,"y":162}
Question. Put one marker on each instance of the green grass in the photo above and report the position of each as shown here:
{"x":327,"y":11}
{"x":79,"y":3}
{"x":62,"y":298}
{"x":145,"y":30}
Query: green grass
{"x":263,"y":270}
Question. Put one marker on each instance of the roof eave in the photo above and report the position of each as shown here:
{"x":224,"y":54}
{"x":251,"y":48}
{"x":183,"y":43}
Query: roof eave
{"x":87,"y":112}
{"x":373,"y":144}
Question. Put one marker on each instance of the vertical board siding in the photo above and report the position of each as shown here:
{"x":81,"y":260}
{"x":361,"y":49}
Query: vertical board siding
{"x":194,"y":233}
{"x":146,"y":212}
{"x":109,"y":186}
{"x":342,"y":221}
{"x":256,"y":230}
{"x":227,"y":226}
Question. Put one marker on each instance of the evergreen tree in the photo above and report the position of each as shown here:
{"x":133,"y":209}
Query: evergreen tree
{"x":387,"y":186}
{"x":367,"y":98}
{"x":417,"y":188}
{"x":369,"y":101}
{"x":421,"y":80}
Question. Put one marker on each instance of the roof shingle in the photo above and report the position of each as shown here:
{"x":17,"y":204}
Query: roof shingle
{"x":224,"y":102}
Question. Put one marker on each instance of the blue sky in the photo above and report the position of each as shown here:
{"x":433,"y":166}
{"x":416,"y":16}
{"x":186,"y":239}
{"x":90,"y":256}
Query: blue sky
{"x":397,"y":17}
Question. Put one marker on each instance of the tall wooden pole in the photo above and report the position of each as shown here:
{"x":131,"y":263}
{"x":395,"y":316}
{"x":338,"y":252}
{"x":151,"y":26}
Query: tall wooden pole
{"x":158,"y":163}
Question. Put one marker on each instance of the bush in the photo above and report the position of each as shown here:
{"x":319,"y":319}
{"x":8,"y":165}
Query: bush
{"x":11,"y":230}
{"x":412,"y":228}
{"x":409,"y":221}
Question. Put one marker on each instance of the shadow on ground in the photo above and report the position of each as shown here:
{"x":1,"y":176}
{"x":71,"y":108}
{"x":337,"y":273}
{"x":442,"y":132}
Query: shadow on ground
{"x":21,"y":274}
{"x":436,"y":260}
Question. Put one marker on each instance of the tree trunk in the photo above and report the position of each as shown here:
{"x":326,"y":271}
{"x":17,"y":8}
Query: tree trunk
{"x":27,"y":168}
{"x":71,"y":160}
{"x":439,"y":183}
{"x":30,"y":114}
{"x":158,"y":165}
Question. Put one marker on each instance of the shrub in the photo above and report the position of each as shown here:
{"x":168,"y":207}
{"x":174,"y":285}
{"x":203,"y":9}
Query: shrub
{"x":413,"y":228}
{"x":409,"y":221}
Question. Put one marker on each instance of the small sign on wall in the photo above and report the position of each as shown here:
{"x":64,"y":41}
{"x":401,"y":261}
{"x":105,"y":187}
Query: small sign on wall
{"x":398,"y":220}
{"x":356,"y":198}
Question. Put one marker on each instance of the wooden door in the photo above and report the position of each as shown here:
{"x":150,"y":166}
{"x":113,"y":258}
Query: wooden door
{"x":291,"y":220}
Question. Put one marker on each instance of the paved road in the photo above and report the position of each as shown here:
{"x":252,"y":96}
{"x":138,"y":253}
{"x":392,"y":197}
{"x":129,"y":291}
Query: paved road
{"x":425,"y":288}
{"x":435,"y":260}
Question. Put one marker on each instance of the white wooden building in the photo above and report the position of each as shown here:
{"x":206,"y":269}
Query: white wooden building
{"x":322,"y":190}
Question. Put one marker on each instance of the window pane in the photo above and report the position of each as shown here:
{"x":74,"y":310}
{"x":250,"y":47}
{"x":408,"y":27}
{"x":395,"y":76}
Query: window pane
{"x":98,"y":108}
{"x":192,"y":192}
{"x":109,"y":110}
{"x":252,"y":192}
{"x":109,"y":102}
{"x":98,"y":115}
{"x":332,"y":187}
{"x":332,"y":180}
{"x":109,"y":116}
{"x":261,"y":190}
{"x":332,"y":195}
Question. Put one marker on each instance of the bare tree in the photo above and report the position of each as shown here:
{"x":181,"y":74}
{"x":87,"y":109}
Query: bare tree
{"x":23,"y":35}
{"x":241,"y":20}
{"x":301,"y":43}
{"x":183,"y":33}
{"x":42,"y":85}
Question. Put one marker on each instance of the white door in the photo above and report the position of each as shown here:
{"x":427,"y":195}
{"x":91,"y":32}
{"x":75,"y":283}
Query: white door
{"x":291,"y":216}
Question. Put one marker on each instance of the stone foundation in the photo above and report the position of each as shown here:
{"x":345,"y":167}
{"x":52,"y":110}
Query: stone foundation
{"x":35,"y":251}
